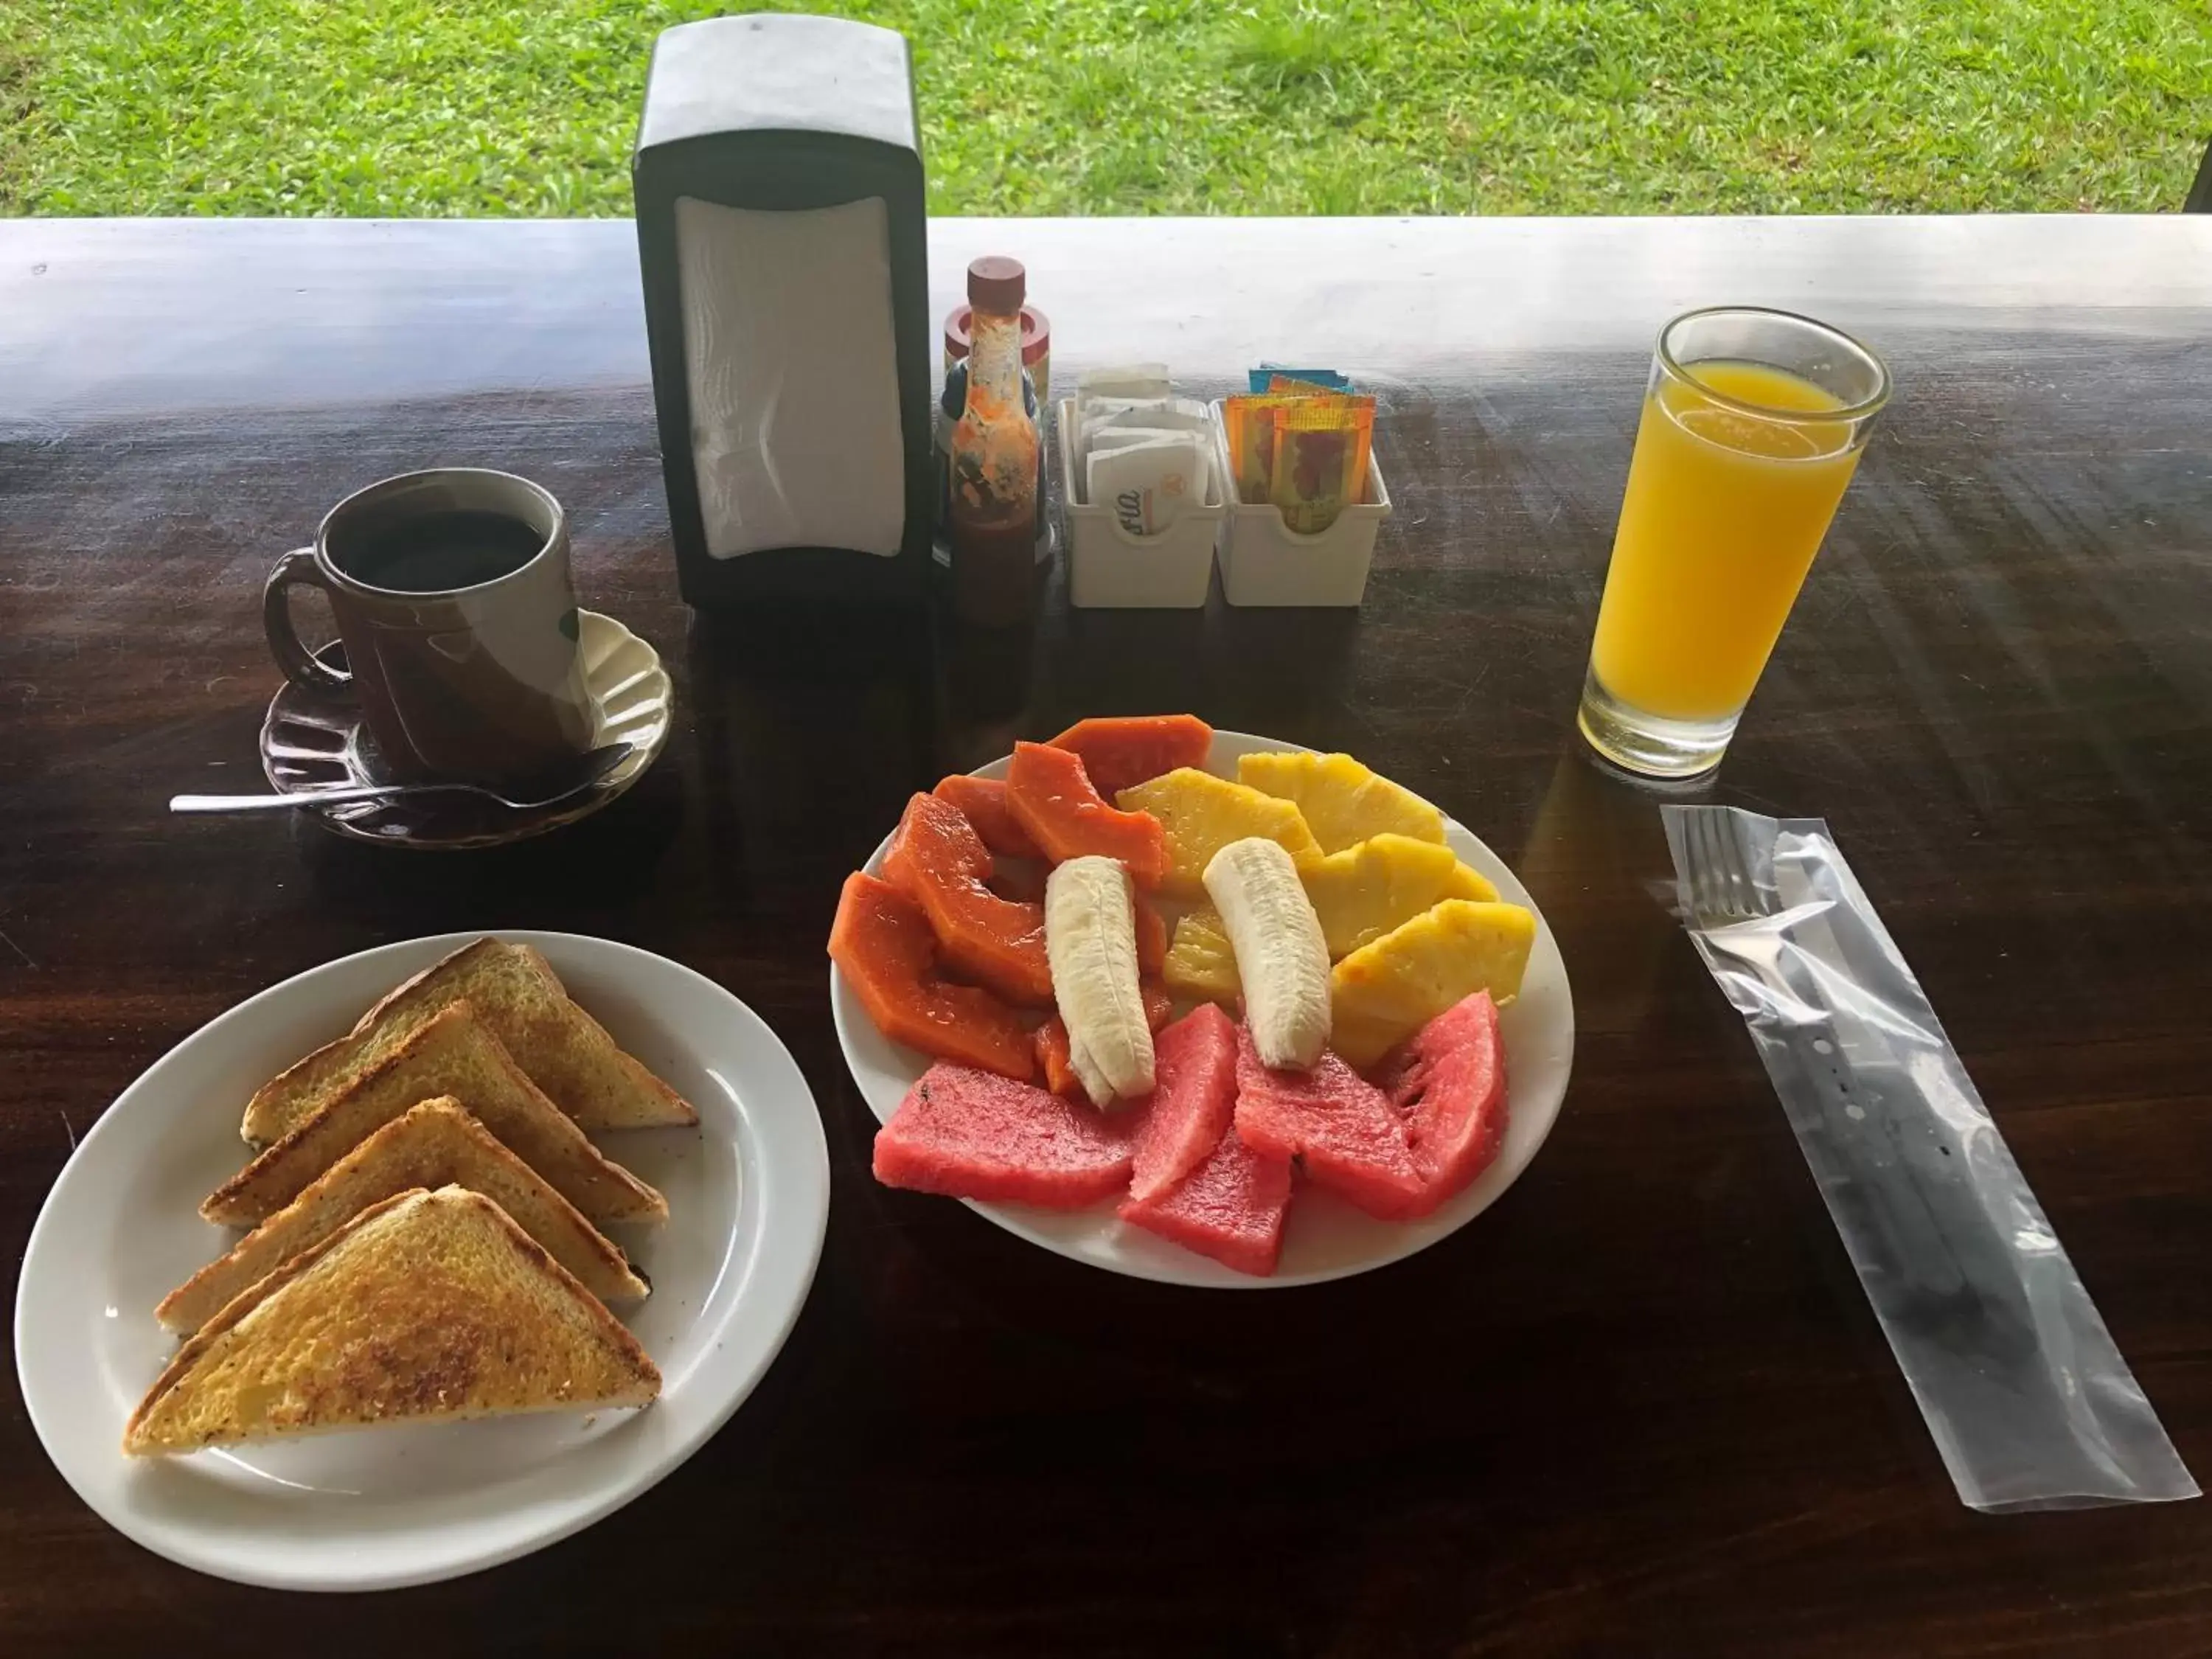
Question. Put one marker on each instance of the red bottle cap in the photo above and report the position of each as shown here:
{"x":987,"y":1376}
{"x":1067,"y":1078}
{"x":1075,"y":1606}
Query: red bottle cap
{"x":997,"y":284}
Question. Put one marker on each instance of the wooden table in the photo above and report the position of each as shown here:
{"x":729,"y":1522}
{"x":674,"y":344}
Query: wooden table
{"x":1640,"y":1406}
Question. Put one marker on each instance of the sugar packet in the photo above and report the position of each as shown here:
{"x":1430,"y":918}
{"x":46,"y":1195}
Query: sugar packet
{"x":1148,"y":480}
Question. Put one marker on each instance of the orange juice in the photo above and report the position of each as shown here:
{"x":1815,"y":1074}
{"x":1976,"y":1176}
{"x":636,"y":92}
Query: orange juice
{"x":1723,"y":512}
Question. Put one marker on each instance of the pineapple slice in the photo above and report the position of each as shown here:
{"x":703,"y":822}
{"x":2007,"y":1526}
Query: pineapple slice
{"x":1362,"y":892}
{"x":1383,"y":992}
{"x":1202,"y":814}
{"x":1343,"y":803}
{"x":1201,"y":962}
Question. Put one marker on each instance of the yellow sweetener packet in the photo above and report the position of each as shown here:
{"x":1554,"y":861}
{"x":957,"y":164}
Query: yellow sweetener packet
{"x":1320,"y":463}
{"x":1249,"y":419}
{"x":1288,"y":386}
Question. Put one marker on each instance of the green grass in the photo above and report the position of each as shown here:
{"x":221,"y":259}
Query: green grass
{"x":528,"y":106}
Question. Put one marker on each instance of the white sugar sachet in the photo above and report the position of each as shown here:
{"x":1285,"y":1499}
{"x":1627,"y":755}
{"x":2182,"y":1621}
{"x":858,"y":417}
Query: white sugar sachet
{"x":1143,"y":412}
{"x":1121,"y":380}
{"x":1146,"y":486}
{"x":1116,"y":439}
{"x":1120,"y":437}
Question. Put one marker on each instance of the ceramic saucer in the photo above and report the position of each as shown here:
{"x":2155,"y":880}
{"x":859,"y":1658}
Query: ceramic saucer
{"x":312,"y":742}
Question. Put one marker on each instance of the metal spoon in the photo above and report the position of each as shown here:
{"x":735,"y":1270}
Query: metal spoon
{"x":588,"y":771}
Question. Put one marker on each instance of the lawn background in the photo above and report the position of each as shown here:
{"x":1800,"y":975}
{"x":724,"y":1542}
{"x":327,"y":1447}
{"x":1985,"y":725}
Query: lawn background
{"x":528,"y":107}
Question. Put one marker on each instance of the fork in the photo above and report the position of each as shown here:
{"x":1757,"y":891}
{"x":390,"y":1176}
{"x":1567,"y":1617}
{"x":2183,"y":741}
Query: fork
{"x":1721,"y":891}
{"x":1938,"y":1260}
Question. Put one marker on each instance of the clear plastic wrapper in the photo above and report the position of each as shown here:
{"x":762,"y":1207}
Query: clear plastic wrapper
{"x":2029,"y":1401}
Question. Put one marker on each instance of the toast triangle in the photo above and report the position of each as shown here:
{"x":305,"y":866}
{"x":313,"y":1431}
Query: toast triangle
{"x":428,"y":1307}
{"x":453,"y":1054}
{"x":434,"y":1143}
{"x":522,"y":1002}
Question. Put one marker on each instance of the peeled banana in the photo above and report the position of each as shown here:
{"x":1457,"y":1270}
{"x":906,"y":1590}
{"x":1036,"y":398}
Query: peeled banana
{"x":1091,"y":944}
{"x":1281,"y":956}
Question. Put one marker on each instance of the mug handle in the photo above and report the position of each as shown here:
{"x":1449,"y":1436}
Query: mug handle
{"x":299,"y":665}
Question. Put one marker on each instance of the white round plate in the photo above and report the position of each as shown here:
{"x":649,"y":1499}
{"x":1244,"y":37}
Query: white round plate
{"x":1324,"y":1238}
{"x":748,"y":1196}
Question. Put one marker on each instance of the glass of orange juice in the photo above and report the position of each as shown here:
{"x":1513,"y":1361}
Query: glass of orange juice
{"x":1752,"y":423}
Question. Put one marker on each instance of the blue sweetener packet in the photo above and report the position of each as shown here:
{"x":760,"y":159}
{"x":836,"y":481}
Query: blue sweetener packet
{"x":1263,"y":378}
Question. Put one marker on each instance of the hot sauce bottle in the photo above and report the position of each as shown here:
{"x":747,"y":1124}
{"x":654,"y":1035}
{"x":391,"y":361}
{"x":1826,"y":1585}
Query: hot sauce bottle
{"x":995,"y":459}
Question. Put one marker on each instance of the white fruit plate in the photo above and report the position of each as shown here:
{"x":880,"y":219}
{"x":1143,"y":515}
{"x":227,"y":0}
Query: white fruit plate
{"x":748,"y":1196}
{"x":1324,"y":1238}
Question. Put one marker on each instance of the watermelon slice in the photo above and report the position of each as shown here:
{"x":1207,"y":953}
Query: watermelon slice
{"x":1448,"y":1080}
{"x":974,"y":1134}
{"x":1230,"y":1208}
{"x":1340,"y":1127}
{"x":1194,"y":1096}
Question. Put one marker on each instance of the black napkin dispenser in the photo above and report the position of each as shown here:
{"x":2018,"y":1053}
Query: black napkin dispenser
{"x":782,"y":238}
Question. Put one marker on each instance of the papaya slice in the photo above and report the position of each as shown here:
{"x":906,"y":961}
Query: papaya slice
{"x":1053,"y":800}
{"x":1050,"y":1040}
{"x":884,"y":945}
{"x":982,"y":802}
{"x":1151,"y":939}
{"x":937,"y":859}
{"x":1022,"y":881}
{"x":1159,"y":1003}
{"x":1121,"y":751}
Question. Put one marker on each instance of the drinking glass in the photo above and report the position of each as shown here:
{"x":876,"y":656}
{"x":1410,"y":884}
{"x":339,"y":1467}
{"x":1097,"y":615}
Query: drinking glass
{"x":1752,"y":423}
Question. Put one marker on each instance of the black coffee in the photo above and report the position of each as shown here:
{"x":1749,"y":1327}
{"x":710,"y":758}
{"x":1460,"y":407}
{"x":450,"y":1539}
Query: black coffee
{"x":431,"y":552}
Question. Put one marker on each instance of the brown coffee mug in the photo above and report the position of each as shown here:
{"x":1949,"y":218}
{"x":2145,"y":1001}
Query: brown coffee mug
{"x":456,"y":608}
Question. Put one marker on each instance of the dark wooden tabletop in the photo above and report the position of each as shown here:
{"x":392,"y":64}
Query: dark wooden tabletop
{"x":1640,"y":1406}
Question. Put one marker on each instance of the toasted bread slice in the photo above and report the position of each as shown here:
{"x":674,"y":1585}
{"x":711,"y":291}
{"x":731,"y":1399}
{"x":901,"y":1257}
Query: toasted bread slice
{"x":429,"y":1306}
{"x":451,"y":1055}
{"x":521,"y":1002}
{"x":431,"y":1144}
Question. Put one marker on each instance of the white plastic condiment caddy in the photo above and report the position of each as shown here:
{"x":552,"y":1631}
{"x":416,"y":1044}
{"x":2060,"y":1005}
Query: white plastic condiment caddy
{"x":1108,"y":566}
{"x":1264,"y":561}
